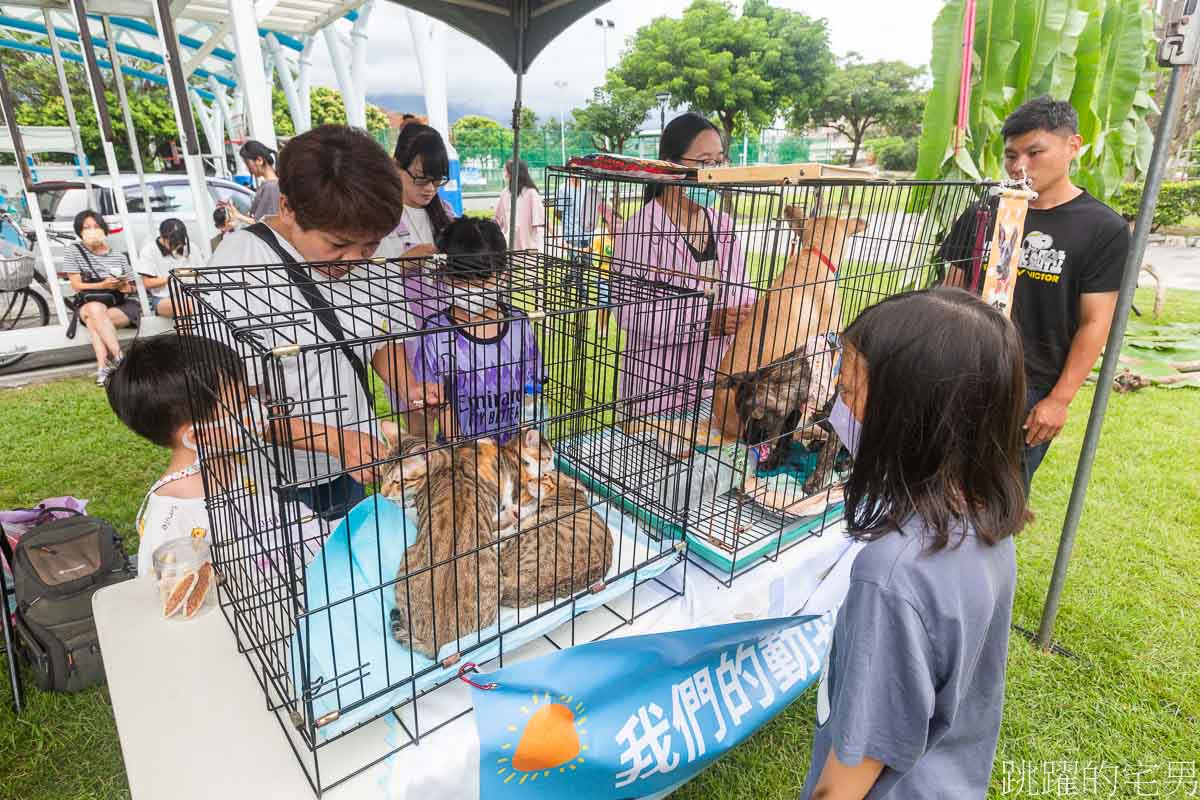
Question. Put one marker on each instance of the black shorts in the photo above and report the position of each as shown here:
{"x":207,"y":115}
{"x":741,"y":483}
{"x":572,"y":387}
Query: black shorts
{"x":131,"y":308}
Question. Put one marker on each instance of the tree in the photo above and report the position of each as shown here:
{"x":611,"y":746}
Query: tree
{"x":475,"y":131}
{"x":861,"y":96}
{"x":614,"y":115}
{"x":528,"y":119}
{"x":1096,"y":53}
{"x":765,"y":61}
{"x":327,"y":109}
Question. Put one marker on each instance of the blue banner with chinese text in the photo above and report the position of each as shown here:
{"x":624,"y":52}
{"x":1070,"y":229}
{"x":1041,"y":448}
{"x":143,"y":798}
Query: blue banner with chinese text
{"x":625,"y":718}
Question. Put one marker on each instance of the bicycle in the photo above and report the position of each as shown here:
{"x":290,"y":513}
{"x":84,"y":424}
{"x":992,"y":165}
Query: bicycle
{"x":21,"y":306}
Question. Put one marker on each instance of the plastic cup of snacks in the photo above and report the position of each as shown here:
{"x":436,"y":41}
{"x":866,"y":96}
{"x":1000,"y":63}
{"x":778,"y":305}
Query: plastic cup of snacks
{"x":184,"y":573}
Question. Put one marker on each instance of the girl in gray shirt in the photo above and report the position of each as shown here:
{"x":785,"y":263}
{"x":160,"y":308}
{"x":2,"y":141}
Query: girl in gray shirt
{"x":930,"y":405}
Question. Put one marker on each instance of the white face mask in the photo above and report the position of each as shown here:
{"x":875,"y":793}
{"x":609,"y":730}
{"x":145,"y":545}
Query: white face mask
{"x":476,"y":301}
{"x":92,"y":236}
{"x":845,"y":425}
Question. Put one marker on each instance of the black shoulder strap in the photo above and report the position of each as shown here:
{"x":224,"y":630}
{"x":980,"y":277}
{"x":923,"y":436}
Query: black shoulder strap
{"x":319,"y":305}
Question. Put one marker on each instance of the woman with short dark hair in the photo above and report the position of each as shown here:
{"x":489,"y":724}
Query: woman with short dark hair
{"x":931,"y":398}
{"x":340,"y":195}
{"x":105,"y":296}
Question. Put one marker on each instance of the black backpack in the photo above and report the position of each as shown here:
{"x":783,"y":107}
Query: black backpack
{"x":57,"y":567}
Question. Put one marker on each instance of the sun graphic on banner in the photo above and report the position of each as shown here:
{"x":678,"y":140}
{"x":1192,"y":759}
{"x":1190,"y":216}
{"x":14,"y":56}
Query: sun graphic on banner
{"x":551,"y":741}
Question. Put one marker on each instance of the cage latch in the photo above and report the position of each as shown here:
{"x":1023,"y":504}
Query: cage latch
{"x":467,"y":669}
{"x":450,"y":661}
{"x":598,"y":587}
{"x":286,"y":351}
{"x":328,"y":718}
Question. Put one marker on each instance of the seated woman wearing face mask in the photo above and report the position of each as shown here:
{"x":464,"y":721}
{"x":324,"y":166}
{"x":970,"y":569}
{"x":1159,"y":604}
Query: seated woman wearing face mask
{"x":171,"y":250}
{"x":676,"y":234}
{"x":105,"y":297}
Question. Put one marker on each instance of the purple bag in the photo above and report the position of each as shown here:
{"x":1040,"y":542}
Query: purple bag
{"x":18,"y":521}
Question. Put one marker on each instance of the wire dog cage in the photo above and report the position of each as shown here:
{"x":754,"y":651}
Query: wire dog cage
{"x":788,"y":260}
{"x":474,"y":541}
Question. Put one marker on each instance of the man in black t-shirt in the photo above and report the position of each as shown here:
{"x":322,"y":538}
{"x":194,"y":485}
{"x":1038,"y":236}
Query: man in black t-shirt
{"x":1072,"y":261}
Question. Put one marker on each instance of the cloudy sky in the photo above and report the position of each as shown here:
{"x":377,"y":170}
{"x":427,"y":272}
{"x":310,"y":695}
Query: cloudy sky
{"x":480,"y":81}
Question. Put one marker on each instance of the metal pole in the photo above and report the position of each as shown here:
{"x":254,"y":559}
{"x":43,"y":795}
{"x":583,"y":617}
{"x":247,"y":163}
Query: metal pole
{"x":1112,"y":351}
{"x":519,"y":9}
{"x":56,"y":52}
{"x":35,"y":210}
{"x":192,"y":158}
{"x":135,"y":151}
{"x":100,"y":105}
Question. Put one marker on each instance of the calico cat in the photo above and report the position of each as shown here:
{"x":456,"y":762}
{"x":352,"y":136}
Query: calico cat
{"x":462,"y":497}
{"x":559,"y":545}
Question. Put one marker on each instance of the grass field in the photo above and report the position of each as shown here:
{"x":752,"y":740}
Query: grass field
{"x":1131,"y":611}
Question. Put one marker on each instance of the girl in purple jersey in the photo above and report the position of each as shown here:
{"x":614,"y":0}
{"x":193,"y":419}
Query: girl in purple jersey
{"x":479,"y":348}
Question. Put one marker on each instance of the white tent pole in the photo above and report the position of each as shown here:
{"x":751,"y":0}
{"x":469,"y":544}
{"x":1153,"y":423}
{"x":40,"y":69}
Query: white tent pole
{"x":304,"y":79}
{"x":212,"y":129}
{"x":135,"y":151}
{"x":289,"y":84}
{"x":100,"y":105}
{"x":343,"y":76}
{"x":429,"y":36}
{"x":222,"y":96}
{"x":35,"y":210}
{"x":65,"y":88}
{"x":358,"y":59}
{"x":252,"y":78}
{"x":192,"y":158}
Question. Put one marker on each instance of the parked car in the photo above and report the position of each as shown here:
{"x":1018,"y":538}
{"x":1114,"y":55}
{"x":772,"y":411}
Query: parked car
{"x":169,"y":196}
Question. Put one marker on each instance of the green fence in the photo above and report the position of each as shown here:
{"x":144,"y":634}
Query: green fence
{"x":482,"y":168}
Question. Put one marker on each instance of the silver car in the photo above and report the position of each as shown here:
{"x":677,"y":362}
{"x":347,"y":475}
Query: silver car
{"x":169,"y":196}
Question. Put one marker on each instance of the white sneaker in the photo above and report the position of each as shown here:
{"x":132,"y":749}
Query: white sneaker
{"x":102,"y":375}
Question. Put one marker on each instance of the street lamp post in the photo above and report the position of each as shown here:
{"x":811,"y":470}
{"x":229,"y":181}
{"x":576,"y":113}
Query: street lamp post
{"x":605,"y":25}
{"x":663,"y":98}
{"x":562,"y":125}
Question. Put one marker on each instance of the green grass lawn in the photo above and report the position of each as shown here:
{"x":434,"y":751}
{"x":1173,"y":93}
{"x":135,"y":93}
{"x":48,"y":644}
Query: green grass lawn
{"x":1131,"y":610}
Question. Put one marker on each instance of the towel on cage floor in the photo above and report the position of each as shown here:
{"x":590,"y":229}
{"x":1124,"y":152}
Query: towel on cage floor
{"x":344,"y":646}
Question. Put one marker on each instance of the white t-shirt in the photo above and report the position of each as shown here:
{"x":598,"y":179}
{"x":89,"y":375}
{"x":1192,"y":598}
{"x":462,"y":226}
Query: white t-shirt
{"x":266,"y":309}
{"x":156,"y":265}
{"x":420,"y":227}
{"x":164,"y":518}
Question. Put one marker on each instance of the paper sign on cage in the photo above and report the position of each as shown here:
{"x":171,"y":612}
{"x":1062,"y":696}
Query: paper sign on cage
{"x":1004,"y":257}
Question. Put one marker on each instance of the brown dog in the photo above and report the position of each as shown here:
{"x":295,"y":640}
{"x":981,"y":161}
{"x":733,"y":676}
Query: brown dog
{"x":800,"y":304}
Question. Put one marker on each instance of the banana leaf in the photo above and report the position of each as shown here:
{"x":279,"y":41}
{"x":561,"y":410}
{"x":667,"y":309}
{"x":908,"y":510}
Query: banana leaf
{"x":1048,"y":17}
{"x":941,"y":109}
{"x":1062,"y":73}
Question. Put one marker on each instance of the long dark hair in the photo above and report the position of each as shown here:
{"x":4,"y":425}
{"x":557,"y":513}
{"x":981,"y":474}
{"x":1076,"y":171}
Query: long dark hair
{"x":252,"y":150}
{"x":524,"y":181}
{"x":176,"y":234}
{"x":676,"y":138}
{"x":941,"y":436}
{"x":417,"y":140}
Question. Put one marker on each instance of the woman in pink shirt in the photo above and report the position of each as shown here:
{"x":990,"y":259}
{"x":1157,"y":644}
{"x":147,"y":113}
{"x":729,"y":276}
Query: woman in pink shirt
{"x":676,"y":235}
{"x":531,"y":212}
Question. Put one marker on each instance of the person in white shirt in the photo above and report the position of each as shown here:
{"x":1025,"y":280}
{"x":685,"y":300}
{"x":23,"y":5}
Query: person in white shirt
{"x":424,"y":167}
{"x":171,"y":250}
{"x":151,"y":391}
{"x":340,"y":195}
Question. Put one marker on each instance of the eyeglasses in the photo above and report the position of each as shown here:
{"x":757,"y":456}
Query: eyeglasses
{"x":421,"y":180}
{"x":721,"y":162}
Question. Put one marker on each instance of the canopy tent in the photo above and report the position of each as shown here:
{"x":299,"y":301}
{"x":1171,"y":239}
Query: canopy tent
{"x":515,"y":30}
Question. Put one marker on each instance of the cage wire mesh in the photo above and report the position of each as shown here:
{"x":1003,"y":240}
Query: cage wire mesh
{"x":369,"y":542}
{"x":753,"y":468}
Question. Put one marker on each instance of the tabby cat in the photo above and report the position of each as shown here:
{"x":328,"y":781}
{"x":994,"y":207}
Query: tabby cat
{"x":562,"y":546}
{"x":462,"y":495}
